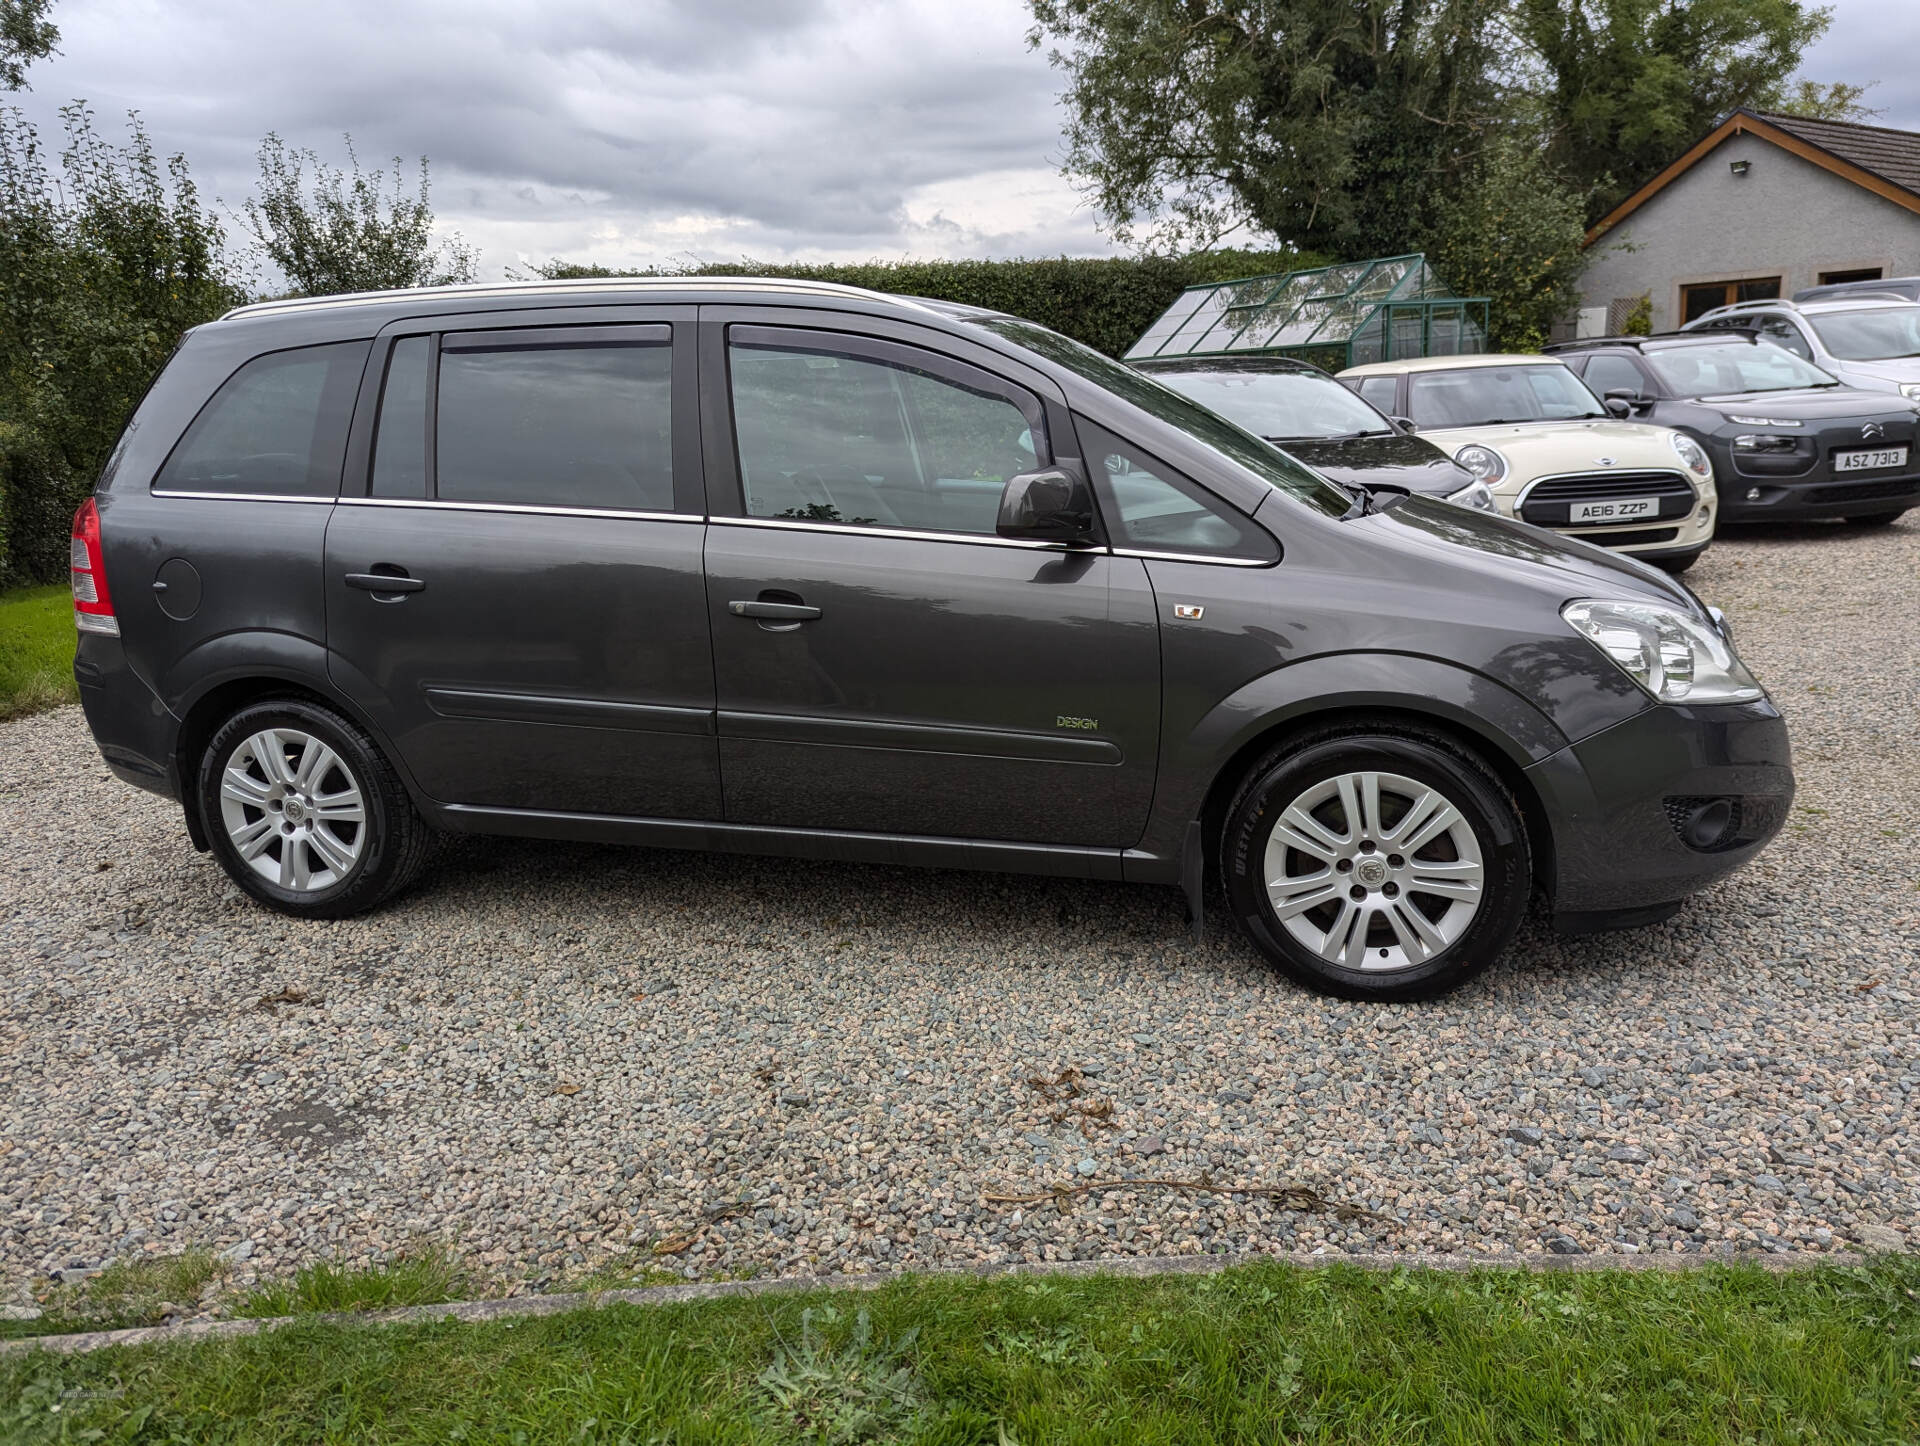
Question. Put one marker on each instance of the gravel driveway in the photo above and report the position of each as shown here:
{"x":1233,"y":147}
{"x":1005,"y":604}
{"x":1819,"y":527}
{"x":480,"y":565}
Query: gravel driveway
{"x":552,"y":1057}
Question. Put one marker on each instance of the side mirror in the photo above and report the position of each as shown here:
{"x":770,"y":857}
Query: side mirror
{"x":1621,"y":402}
{"x":1051,"y":506}
{"x":1403,"y":424}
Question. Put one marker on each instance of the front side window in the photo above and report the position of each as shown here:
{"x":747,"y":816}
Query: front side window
{"x":277,"y":427}
{"x":1614,"y":374}
{"x":1149,"y":507}
{"x":1236,"y":445}
{"x":575,"y":424}
{"x":1876,"y":335}
{"x":1484,"y":396}
{"x":1727,"y":368}
{"x":1381,"y":392}
{"x":830,"y":436}
{"x":1283,"y":405}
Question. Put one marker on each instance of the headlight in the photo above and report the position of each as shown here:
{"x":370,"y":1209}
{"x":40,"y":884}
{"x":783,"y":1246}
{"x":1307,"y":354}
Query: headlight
{"x":1745,"y":421}
{"x":1910,"y":390}
{"x":1674,"y":657}
{"x":1692,"y":455}
{"x":1750,"y":442}
{"x":1476,"y":495}
{"x":1485,"y":463}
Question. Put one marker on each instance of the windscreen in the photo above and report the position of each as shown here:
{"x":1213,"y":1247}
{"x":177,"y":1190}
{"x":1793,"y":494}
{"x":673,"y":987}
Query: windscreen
{"x":1237,"y":446}
{"x":1280,"y":404}
{"x":1876,"y":335}
{"x":1484,"y":396}
{"x":1725,"y":368}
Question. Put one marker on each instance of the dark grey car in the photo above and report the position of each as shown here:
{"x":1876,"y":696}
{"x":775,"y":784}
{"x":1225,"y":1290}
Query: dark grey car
{"x":787,"y":568}
{"x":1787,"y":440}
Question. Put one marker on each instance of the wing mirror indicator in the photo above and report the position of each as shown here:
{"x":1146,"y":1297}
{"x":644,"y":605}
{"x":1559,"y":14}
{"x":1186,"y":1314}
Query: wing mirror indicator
{"x":1051,"y":506}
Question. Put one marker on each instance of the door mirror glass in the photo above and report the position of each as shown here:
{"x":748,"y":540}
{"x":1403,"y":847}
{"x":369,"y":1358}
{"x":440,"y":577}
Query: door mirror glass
{"x":1619,"y":402}
{"x":1051,"y":506}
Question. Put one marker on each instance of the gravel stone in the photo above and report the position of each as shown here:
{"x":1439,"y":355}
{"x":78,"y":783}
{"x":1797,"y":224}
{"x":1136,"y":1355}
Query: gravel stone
{"x":552,"y":1056}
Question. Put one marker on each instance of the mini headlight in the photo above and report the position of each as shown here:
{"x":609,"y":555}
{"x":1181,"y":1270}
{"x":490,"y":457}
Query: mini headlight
{"x":1476,"y":495}
{"x":1692,"y":455}
{"x":1675,"y":657}
{"x":1485,"y":463}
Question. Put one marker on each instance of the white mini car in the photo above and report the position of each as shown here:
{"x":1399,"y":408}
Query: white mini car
{"x":1552,"y":453}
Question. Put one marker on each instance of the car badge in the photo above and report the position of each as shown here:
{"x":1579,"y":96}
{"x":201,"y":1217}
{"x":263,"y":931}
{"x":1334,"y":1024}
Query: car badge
{"x":1872,"y":432}
{"x":1605,"y":461}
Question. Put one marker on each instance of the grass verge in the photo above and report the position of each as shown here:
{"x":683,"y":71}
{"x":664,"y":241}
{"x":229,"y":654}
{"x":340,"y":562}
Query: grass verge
{"x":36,"y":650}
{"x":1257,"y":1353}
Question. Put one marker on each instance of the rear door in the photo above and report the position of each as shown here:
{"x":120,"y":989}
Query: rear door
{"x":884,"y":662}
{"x":513,"y":575}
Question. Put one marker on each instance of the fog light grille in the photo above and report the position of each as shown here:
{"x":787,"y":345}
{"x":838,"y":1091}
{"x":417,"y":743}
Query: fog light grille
{"x":1712,"y":824}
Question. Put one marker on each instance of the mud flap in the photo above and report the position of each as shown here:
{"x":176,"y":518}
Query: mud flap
{"x":1193,"y":877}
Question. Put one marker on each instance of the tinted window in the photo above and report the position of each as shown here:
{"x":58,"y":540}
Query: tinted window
{"x":1151,"y":507}
{"x":1614,"y":374}
{"x":830,"y":437}
{"x":572,"y":425}
{"x":1726,"y":368}
{"x":1891,"y":331}
{"x":400,"y":446}
{"x":1381,"y":392}
{"x":1481,"y":396}
{"x":278,"y":426}
{"x":1279,"y":403}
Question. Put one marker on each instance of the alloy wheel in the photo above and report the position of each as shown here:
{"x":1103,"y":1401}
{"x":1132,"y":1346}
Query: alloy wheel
{"x":293,"y":810}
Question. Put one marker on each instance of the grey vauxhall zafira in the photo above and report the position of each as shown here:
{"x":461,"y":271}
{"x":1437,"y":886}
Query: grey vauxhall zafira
{"x":783,"y":568}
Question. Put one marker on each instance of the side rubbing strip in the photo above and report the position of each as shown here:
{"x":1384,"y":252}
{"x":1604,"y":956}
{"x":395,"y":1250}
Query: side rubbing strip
{"x":580,"y":712}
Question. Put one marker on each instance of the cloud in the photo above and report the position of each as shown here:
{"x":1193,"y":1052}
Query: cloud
{"x":1872,"y":43}
{"x":625,"y":133}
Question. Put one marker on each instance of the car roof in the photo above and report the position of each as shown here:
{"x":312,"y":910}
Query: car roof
{"x":1226,"y":364}
{"x":1446,"y":363}
{"x":1659,"y":341}
{"x":1859,"y":301}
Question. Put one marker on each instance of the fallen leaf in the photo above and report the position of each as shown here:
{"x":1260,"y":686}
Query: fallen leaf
{"x":674,"y":1244}
{"x":566,"y":1089}
{"x":1869,"y":986}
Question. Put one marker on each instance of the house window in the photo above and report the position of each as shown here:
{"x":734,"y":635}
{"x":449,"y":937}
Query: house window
{"x":1697,"y":301}
{"x":1840,"y":278}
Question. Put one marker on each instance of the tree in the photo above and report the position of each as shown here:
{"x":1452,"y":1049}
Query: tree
{"x":345,"y":230}
{"x":1627,"y":85}
{"x":26,"y":35}
{"x":102,"y":266}
{"x":1330,"y":124}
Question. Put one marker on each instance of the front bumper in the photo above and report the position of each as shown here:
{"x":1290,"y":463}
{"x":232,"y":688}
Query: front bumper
{"x":1617,"y":804}
{"x":1793,"y":498}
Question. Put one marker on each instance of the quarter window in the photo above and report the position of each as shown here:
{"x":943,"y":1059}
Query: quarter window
{"x":1381,"y":391}
{"x":1152,"y":508}
{"x":277,"y":427}
{"x":827,"y":436}
{"x":577,"y":424}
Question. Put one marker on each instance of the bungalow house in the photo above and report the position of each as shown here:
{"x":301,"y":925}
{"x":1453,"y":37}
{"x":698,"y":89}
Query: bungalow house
{"x":1760,"y":207}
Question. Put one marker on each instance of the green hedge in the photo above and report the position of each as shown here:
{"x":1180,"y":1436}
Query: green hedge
{"x":1104,"y":302}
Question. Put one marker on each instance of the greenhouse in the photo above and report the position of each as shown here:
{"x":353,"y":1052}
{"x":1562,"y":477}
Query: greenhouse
{"x":1334,"y":316}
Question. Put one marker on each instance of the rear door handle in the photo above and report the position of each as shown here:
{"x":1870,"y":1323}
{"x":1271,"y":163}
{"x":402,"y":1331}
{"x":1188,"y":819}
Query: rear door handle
{"x":385,"y":582}
{"x":783,"y":612}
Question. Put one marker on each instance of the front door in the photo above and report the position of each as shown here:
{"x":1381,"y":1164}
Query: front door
{"x":883,"y":661}
{"x":513,"y":581}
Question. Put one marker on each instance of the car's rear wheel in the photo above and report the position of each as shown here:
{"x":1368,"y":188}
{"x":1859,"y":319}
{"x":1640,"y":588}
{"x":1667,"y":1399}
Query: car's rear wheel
{"x":1679,"y":564}
{"x":304,"y":812}
{"x":1389,"y":864}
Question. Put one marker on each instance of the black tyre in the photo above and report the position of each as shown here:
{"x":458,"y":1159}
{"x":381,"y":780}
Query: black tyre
{"x":304,"y":812}
{"x":1385,"y":863}
{"x":1676,"y":565}
{"x":1877,"y":519}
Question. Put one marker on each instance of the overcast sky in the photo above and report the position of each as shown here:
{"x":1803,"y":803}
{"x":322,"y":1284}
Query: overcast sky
{"x":631,"y":132}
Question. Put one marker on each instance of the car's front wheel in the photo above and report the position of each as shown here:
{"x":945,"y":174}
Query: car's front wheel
{"x":304,"y":812}
{"x":1380,"y":864}
{"x":1876,"y":519}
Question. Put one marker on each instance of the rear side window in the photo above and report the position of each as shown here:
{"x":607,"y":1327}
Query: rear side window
{"x":277,"y":427}
{"x":1149,"y":507}
{"x":580,"y":424}
{"x":400,"y":445}
{"x":1381,"y":391}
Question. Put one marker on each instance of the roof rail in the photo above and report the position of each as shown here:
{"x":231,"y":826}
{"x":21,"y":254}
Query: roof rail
{"x":1856,"y":296}
{"x":1624,"y":340}
{"x":584,"y":283}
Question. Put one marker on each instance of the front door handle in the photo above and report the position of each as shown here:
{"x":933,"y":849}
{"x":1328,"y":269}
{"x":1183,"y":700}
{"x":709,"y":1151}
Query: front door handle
{"x":385,"y":582}
{"x":782,"y":612}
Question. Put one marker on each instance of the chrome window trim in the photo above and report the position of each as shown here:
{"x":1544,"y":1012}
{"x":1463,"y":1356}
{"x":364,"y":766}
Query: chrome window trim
{"x":1680,"y":472}
{"x":434,"y":504}
{"x":1212,"y":559}
{"x":980,"y":539}
{"x":328,"y":500}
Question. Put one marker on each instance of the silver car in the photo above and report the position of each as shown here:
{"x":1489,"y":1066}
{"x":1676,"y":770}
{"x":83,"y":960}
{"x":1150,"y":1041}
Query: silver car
{"x":1869,"y":340}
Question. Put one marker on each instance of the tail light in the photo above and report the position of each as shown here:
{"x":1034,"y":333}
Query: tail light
{"x":92,"y":602}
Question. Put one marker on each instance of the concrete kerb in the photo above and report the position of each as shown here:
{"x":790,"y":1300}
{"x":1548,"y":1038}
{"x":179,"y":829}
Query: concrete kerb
{"x":541,"y":1305}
